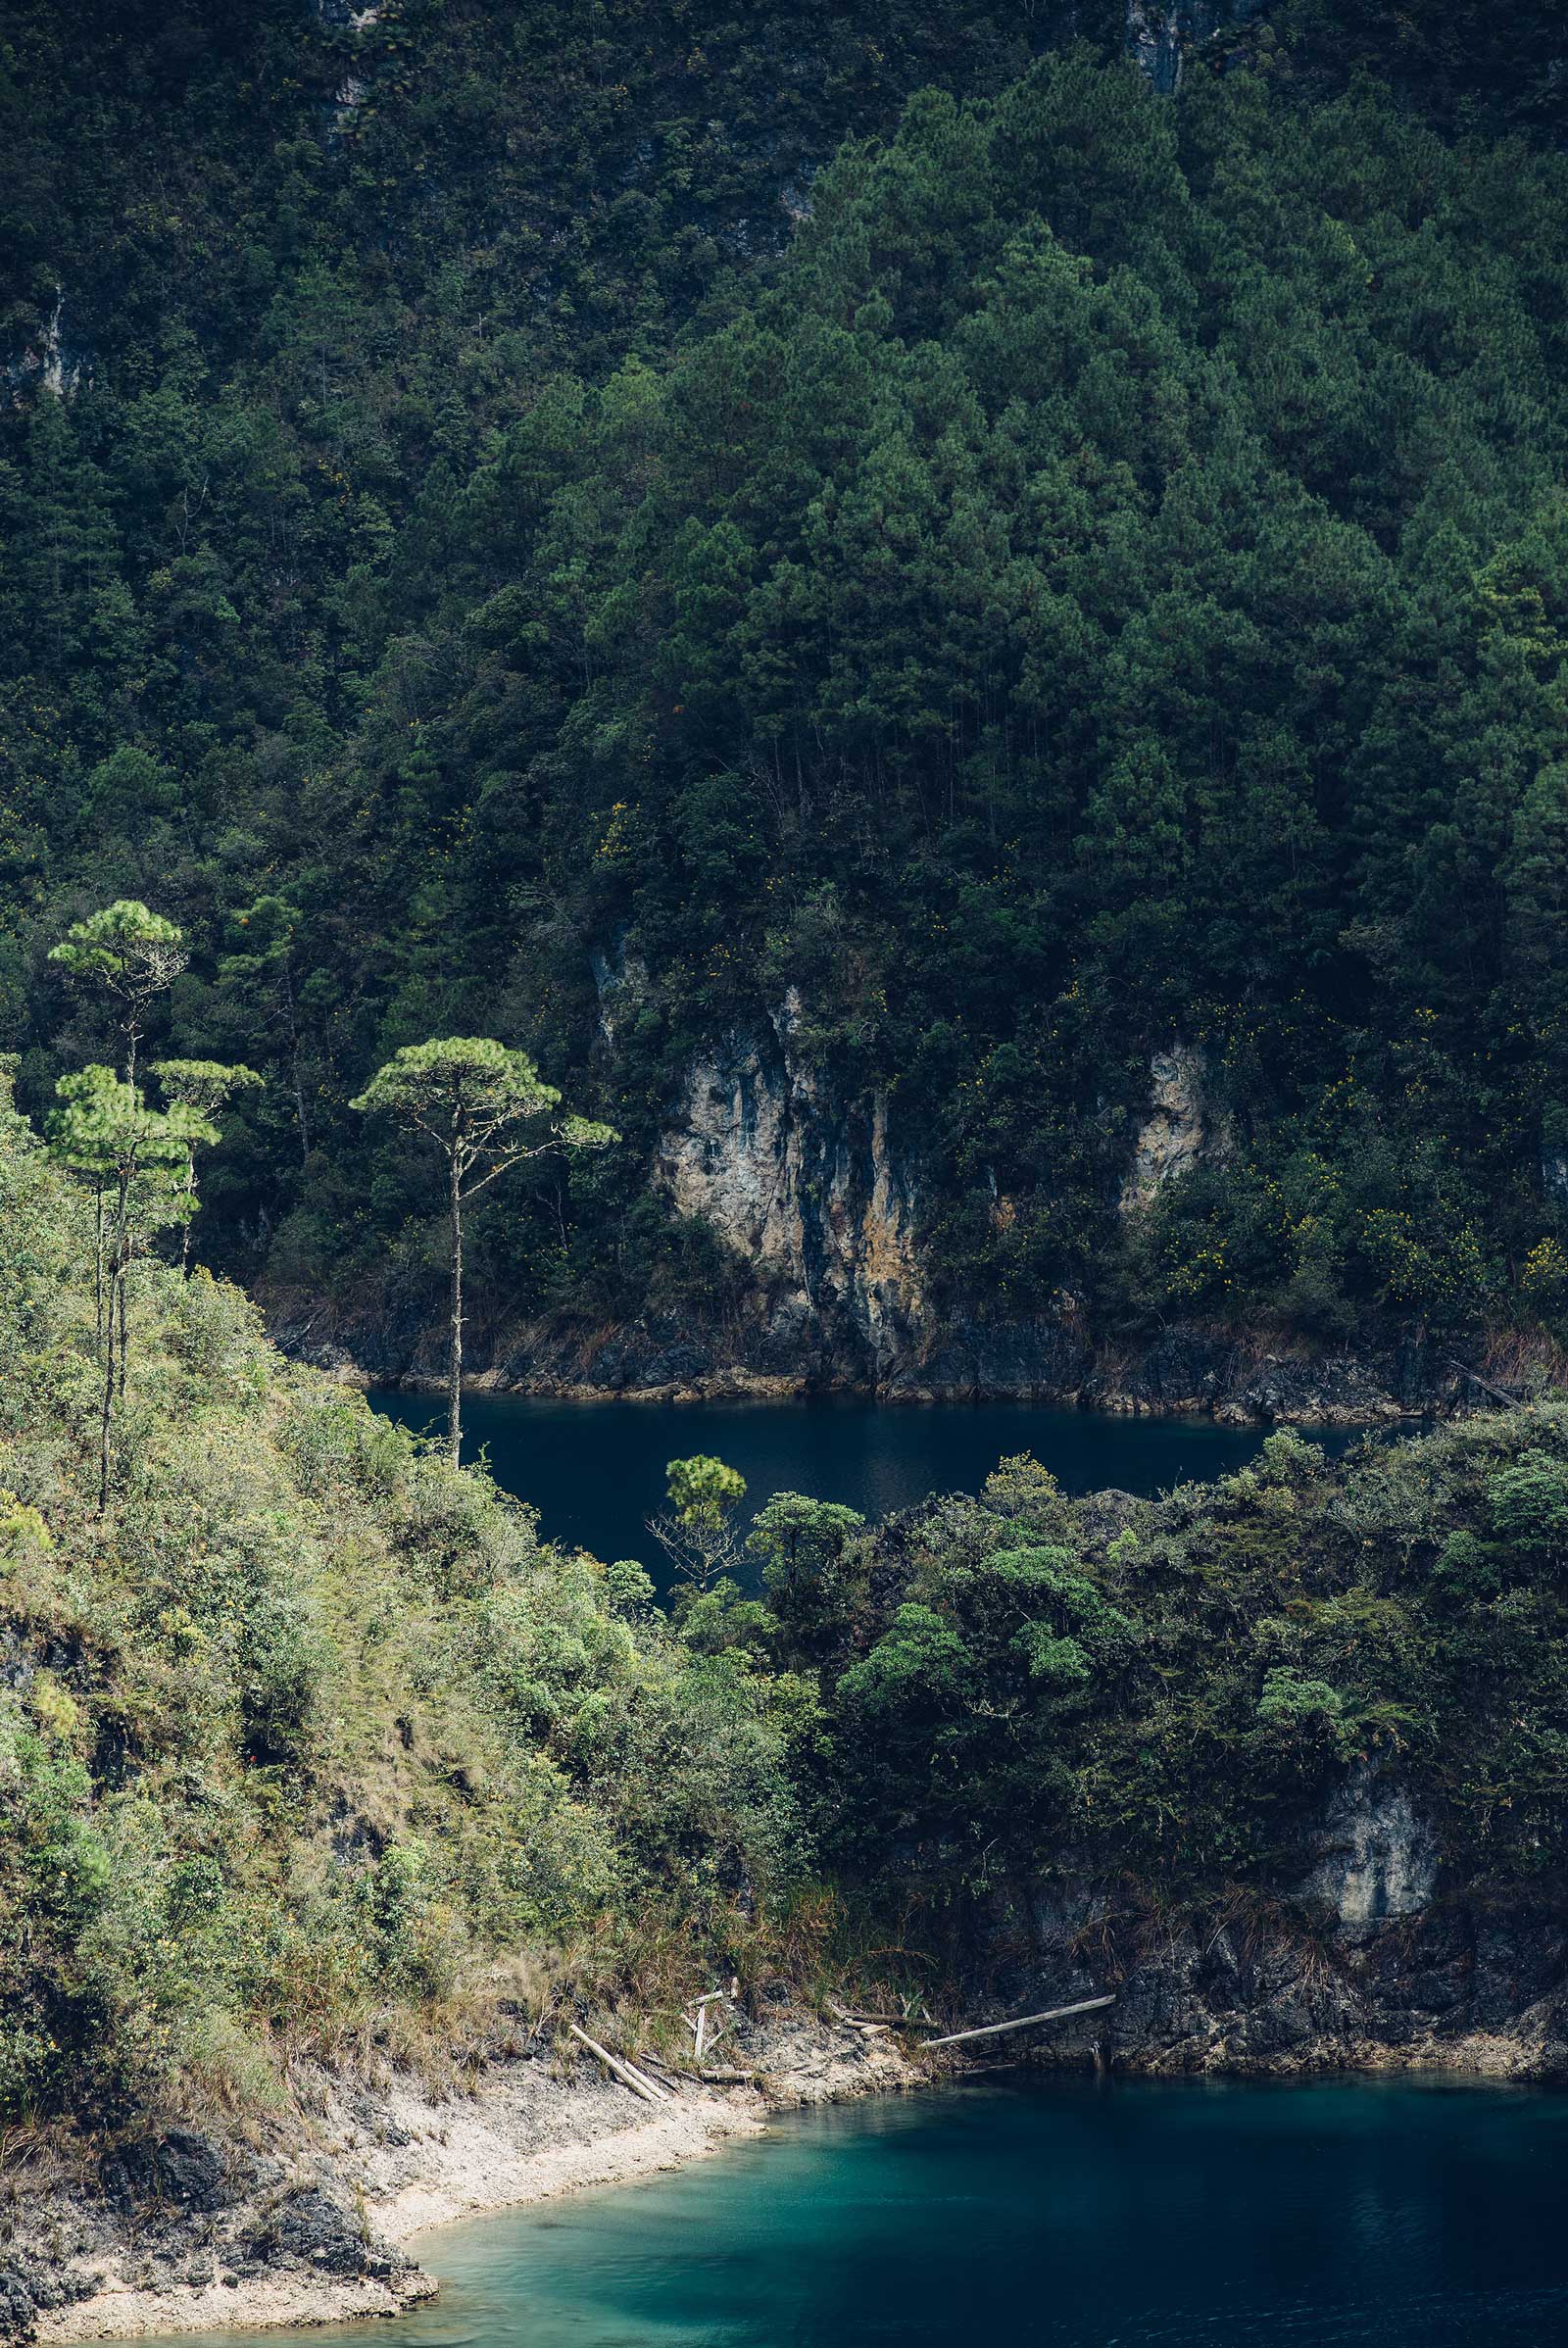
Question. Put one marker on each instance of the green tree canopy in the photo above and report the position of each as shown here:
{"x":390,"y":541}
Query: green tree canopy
{"x":136,"y":1160}
{"x":700,"y":1528}
{"x":487,"y":1109}
{"x":132,"y":954}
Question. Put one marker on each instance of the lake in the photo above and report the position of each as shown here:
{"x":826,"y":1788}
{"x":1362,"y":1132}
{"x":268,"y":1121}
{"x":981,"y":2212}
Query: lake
{"x":594,"y":1471}
{"x":1359,"y":2214}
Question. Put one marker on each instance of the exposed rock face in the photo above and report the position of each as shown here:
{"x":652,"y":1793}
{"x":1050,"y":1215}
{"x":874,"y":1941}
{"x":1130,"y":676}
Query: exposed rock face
{"x":808,"y":1194}
{"x":1554,"y":1172}
{"x":1379,"y":1860}
{"x":52,"y":361}
{"x":620,"y":980}
{"x":1160,"y":33}
{"x":343,"y":16}
{"x":784,"y":1350}
{"x":181,"y":2170}
{"x":1368,"y":1962}
{"x":1195,"y":1370}
{"x":1177,"y":1131}
{"x":811,"y":1195}
{"x":182,"y":2226}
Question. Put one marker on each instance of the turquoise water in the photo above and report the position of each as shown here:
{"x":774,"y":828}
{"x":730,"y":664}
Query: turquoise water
{"x":596,"y":1470}
{"x":1082,"y":2216}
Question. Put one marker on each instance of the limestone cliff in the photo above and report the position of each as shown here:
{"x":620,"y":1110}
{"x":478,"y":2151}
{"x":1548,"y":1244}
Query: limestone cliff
{"x":1377,"y":1859}
{"x":1162,"y":33}
{"x":52,"y":361}
{"x":1373,"y":1960}
{"x":818,"y":1200}
{"x":807,"y":1189}
{"x":1178,"y":1131}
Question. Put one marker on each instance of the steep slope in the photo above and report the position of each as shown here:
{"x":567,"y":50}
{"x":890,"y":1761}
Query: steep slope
{"x":1278,"y":1760}
{"x":1076,"y":587}
{"x":307,"y":1743}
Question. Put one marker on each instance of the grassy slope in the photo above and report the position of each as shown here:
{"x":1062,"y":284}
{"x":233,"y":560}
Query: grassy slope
{"x":309,"y":1740}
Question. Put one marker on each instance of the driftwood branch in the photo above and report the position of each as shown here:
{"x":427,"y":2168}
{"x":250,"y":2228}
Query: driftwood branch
{"x":635,"y":2080}
{"x":697,"y":2021}
{"x":995,"y":2030}
{"x":855,"y":2022}
{"x":1499,"y":1393}
{"x":893,"y":2022}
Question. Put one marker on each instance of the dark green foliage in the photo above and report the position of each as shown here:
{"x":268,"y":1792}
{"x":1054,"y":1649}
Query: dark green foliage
{"x":1099,"y":577}
{"x":1462,"y":61}
{"x":807,"y":1555}
{"x":1529,"y":1504}
{"x":1178,"y":1696}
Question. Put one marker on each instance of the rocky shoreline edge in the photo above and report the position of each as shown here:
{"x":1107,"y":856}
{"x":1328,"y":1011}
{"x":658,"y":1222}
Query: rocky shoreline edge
{"x":1231,"y":1384}
{"x":1367,"y":1965}
{"x":188,"y":2230}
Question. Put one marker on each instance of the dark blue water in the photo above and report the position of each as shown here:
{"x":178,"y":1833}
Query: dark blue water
{"x":1359,"y":2214}
{"x":596,"y":1470}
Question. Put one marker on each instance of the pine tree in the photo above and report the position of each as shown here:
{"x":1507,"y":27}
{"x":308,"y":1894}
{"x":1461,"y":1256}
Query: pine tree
{"x":487,"y":1110}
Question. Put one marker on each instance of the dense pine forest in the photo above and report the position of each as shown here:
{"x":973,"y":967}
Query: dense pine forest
{"x":882,"y":509}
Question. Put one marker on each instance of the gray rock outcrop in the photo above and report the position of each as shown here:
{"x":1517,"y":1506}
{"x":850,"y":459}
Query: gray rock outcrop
{"x":807,"y":1191}
{"x":1179,"y":1130}
{"x":1379,"y":1860}
{"x":1371,"y":1961}
{"x":1161,"y":36}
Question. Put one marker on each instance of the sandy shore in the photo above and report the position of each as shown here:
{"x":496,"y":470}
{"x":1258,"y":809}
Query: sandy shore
{"x":409,"y":2163}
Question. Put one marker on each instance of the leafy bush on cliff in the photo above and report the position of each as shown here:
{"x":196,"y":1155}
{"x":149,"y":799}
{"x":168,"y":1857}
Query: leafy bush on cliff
{"x":1172,"y":1691}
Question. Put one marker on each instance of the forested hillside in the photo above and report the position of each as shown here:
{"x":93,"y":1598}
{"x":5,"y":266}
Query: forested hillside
{"x":509,"y":531}
{"x":310,"y":1749}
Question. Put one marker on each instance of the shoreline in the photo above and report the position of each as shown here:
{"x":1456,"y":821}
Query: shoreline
{"x":755,"y":1385}
{"x":1264,"y":1376}
{"x":421,"y":2163}
{"x":292,"y":2302}
{"x":440,"y":2161}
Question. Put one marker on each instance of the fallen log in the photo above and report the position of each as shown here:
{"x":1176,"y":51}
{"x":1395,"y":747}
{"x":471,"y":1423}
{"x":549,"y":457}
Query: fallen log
{"x":1499,"y":1393}
{"x":895,"y":2022}
{"x":662,"y":2093}
{"x":628,"y":2077}
{"x":995,"y":2029}
{"x":867,"y":2030}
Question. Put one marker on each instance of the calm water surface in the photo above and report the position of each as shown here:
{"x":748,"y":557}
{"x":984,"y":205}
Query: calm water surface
{"x":596,"y":1470}
{"x":1133,"y":2215}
